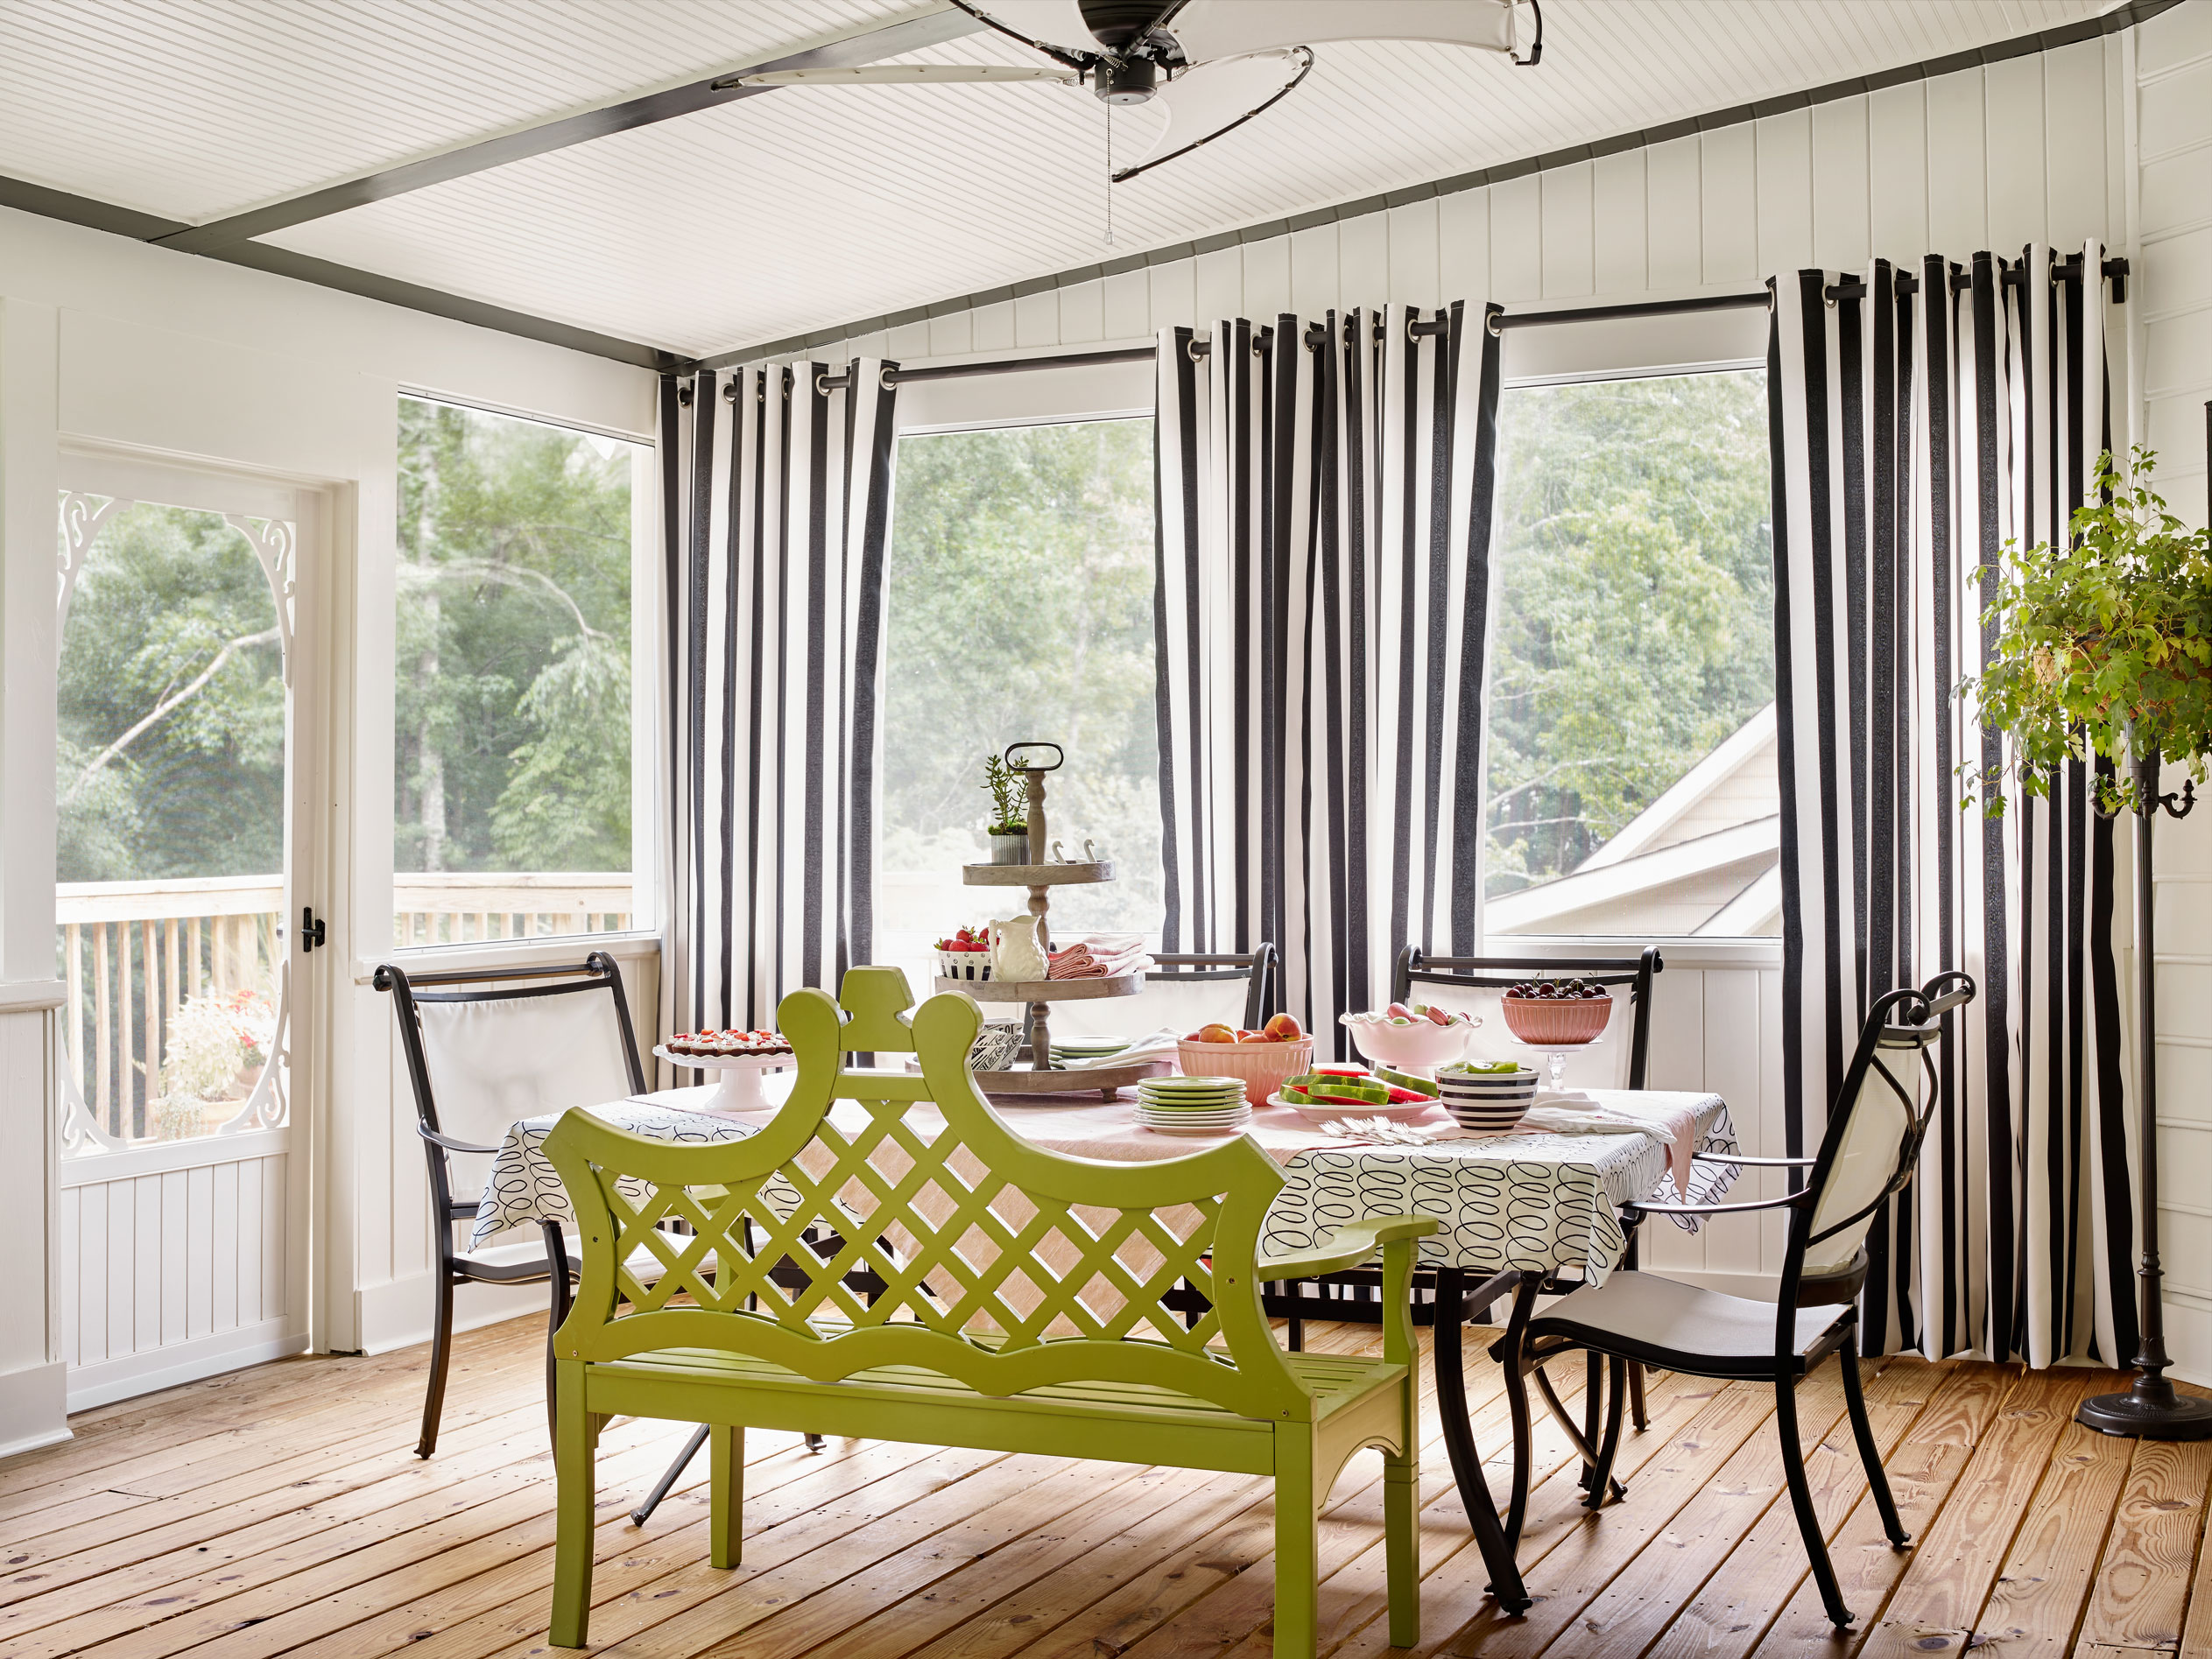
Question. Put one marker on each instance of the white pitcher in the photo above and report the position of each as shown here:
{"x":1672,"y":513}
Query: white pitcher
{"x":1017,"y":949}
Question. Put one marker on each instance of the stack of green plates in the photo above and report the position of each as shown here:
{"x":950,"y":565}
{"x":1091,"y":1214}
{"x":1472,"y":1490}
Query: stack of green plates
{"x":1087,"y":1048}
{"x":1193,"y":1105}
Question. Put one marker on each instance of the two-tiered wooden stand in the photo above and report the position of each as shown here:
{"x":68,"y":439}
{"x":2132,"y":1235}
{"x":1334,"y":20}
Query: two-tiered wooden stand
{"x":1040,"y":1076}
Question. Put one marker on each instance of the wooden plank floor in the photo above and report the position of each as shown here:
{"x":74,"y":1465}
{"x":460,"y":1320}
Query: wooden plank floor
{"x":281,"y":1510}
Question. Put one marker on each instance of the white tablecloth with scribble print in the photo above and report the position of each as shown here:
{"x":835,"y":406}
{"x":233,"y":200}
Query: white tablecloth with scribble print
{"x":1532,"y":1202}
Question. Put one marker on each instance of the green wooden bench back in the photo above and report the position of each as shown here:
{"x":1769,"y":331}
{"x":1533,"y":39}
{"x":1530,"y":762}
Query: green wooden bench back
{"x":956,"y":1228}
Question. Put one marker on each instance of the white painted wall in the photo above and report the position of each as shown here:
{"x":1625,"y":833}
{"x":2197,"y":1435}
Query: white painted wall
{"x":2171,"y":119}
{"x":109,"y":341}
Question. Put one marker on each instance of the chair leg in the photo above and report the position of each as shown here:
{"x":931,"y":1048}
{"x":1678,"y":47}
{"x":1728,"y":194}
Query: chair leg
{"x":1808,"y":1521}
{"x":1869,"y":1454}
{"x":1602,"y":1471}
{"x":1517,"y":1405}
{"x":1638,"y":1414}
{"x":1297,"y":1545}
{"x":643,"y":1512}
{"x":726,"y":1494}
{"x":1297,"y":1334}
{"x":1402,"y":1522}
{"x":1593,"y":1399}
{"x":434,"y":1404}
{"x":573,"y":1511}
{"x":814,"y":1441}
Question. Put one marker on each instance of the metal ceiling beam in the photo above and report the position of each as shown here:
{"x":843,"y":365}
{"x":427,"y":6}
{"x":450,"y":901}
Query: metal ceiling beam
{"x":868,"y":44}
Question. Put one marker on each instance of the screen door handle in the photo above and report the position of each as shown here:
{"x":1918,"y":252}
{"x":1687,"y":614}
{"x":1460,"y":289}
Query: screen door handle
{"x":311,"y":932}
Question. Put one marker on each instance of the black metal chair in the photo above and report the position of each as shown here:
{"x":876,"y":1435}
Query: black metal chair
{"x":1354,"y":1297}
{"x":524,"y":1051}
{"x":1867,"y":1154}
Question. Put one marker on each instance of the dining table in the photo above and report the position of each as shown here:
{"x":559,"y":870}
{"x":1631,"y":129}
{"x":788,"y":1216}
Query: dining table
{"x":1521,"y":1213}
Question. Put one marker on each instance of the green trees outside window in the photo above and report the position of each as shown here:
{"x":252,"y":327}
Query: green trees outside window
{"x":513,"y":729}
{"x":1633,"y":610}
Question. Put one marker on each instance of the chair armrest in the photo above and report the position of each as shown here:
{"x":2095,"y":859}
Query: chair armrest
{"x":448,"y":1142}
{"x":1641,"y":1207}
{"x":1772,"y":1164}
{"x":1351,"y":1245}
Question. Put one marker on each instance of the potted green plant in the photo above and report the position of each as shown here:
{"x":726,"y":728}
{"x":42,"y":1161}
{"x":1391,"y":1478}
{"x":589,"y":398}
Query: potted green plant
{"x":1009,"y":826}
{"x":2103,"y":647}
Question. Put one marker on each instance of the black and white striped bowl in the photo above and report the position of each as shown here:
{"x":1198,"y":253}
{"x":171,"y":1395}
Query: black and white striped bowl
{"x":1488,"y":1103}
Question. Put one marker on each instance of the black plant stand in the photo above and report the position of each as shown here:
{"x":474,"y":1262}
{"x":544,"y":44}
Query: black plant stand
{"x":2150,"y":1411}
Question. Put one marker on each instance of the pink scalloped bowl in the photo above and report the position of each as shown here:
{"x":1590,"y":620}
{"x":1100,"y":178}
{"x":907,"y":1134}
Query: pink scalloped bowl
{"x":1423,"y":1044}
{"x":1569,"y":1023}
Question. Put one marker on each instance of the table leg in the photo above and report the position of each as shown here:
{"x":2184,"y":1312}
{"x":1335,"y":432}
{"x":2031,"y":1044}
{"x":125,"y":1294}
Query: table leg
{"x":1459,"y":1439}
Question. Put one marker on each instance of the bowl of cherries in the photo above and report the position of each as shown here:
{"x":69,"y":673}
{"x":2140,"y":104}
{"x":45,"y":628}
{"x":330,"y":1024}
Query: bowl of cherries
{"x":1566,"y":1013}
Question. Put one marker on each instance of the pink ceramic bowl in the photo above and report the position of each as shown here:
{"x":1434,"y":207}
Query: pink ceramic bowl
{"x":1263,"y":1066}
{"x":1538,"y":1020}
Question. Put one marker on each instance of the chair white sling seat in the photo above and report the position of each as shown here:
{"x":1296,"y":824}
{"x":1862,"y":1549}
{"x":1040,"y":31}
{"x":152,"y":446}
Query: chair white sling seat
{"x":1680,"y":1327}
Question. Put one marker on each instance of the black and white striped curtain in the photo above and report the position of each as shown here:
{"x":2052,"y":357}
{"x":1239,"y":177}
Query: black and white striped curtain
{"x":777,"y":498}
{"x":1922,"y":418}
{"x":1324,"y":509}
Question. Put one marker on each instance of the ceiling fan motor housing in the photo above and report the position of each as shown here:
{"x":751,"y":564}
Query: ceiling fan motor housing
{"x":1126,"y":81}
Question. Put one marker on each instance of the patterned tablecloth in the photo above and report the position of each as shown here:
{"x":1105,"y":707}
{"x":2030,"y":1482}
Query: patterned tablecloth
{"x":1532,"y":1201}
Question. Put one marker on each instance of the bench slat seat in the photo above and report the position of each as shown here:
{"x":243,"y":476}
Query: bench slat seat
{"x":1017,"y":1300}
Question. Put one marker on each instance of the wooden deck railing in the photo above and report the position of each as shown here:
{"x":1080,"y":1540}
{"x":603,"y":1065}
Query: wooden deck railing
{"x":133,"y":952}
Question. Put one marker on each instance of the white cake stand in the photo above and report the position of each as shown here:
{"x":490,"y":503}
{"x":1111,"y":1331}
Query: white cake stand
{"x":739,"y":1089}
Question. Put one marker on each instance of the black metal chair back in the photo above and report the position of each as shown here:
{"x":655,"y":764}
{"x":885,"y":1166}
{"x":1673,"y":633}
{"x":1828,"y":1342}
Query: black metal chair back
{"x":1261,"y":965}
{"x":1415,"y":966}
{"x":1870,"y":1147}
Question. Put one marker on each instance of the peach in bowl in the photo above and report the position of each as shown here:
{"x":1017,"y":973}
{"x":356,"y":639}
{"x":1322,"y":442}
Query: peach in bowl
{"x":1415,"y":1034}
{"x":1263,"y":1059}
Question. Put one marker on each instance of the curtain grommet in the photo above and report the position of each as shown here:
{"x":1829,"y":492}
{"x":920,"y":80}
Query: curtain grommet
{"x":1190,"y":349}
{"x":884,"y":377}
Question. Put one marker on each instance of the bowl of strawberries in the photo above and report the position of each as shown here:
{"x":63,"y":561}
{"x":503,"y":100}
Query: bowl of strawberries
{"x":1263,"y":1059}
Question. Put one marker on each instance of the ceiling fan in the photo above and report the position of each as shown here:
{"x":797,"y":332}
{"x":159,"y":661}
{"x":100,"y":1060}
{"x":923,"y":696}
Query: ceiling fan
{"x":1213,"y":64}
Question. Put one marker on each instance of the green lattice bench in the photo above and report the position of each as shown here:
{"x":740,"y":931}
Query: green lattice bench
{"x":1022,"y":1306}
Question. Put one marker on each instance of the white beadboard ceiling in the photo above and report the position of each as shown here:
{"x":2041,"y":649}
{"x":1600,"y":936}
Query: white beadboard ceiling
{"x":804,"y":208}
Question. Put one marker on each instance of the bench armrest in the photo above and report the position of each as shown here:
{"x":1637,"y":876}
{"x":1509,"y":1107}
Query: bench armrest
{"x":1766,"y":1164}
{"x":1351,"y":1245}
{"x":448,"y":1142}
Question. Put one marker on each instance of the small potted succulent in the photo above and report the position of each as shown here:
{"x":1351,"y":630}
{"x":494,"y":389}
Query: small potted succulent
{"x":1009,"y":826}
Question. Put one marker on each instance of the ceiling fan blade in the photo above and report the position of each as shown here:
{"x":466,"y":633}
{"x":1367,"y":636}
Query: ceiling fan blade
{"x":1205,"y":102}
{"x":1209,"y":29}
{"x":1050,"y":26}
{"x":889,"y":74}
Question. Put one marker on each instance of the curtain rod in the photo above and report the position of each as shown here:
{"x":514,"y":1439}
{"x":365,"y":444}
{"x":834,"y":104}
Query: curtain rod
{"x":1639,"y":308}
{"x":1198,"y":347}
{"x":1005,"y":366}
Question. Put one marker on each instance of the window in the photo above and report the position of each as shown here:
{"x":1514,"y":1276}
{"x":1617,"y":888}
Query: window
{"x":1019,"y":606}
{"x":1633,"y":786}
{"x":513,"y":774}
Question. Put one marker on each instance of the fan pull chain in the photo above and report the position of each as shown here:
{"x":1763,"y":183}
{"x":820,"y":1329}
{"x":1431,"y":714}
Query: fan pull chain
{"x":1109,"y":175}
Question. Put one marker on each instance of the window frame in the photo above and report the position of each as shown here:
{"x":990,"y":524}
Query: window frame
{"x":649,"y":773}
{"x":1567,"y":354}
